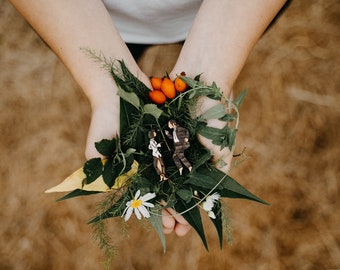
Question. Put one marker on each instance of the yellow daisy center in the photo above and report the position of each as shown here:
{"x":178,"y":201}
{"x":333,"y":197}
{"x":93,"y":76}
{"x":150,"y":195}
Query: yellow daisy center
{"x":136,"y":203}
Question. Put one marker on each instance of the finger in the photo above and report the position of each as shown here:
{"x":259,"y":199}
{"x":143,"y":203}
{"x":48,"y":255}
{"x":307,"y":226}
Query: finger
{"x":168,"y":222}
{"x":181,"y":227}
{"x":179,"y":218}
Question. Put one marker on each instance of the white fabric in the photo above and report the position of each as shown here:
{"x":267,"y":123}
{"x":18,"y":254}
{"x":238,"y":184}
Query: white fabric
{"x":153,"y":21}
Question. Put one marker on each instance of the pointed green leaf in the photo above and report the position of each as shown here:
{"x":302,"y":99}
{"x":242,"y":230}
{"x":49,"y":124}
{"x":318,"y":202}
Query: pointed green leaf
{"x":76,"y":193}
{"x":218,"y":222}
{"x":238,"y":101}
{"x":208,"y":178}
{"x":231,"y":138}
{"x":193,"y":217}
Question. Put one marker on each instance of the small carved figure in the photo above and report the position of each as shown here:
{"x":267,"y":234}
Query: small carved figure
{"x":157,"y":156}
{"x":180,"y":137}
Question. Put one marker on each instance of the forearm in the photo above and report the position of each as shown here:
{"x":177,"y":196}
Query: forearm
{"x":68,"y":25}
{"x":222,"y":37}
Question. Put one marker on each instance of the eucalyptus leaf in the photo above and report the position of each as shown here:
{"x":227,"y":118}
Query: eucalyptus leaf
{"x":155,"y":220}
{"x":153,"y":110}
{"x":230,"y":117}
{"x":214,"y":112}
{"x":130,"y":97}
{"x":212,"y":133}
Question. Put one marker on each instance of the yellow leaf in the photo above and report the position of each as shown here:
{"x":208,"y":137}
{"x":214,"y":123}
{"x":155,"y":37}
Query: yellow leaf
{"x":75,"y":180}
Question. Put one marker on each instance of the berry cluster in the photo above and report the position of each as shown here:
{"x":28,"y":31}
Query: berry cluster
{"x":164,"y":88}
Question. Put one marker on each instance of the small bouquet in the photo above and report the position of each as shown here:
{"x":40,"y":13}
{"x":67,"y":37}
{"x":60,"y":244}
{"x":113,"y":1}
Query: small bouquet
{"x":157,"y":161}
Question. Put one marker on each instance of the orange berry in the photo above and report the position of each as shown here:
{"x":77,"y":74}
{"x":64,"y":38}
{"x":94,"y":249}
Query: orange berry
{"x":157,"y":97}
{"x":156,"y":83}
{"x":168,"y":88}
{"x":180,"y":85}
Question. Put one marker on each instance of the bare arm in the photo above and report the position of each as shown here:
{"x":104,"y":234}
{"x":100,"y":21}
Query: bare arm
{"x":222,"y":36}
{"x":68,"y":25}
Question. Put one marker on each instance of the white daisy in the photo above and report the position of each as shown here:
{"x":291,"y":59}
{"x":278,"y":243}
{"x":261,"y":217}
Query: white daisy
{"x":139,"y":205}
{"x":209,"y":203}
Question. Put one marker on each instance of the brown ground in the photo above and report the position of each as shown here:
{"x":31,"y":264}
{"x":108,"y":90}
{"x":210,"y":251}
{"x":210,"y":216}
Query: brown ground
{"x":289,"y":124}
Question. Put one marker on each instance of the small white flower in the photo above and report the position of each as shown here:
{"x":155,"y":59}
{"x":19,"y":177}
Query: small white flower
{"x":209,"y":203}
{"x":211,"y":214}
{"x":139,"y":205}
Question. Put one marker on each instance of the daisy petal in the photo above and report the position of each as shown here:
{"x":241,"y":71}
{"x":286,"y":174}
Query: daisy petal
{"x":137,"y":213}
{"x":128,"y":213}
{"x":137,"y":194}
{"x":144,"y":211}
{"x":148,"y":196}
{"x":147,"y":204}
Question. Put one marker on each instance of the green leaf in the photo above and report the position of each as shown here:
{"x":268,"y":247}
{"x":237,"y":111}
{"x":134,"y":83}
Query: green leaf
{"x":238,"y":101}
{"x":212,"y":133}
{"x":185,"y":194}
{"x":93,"y":169}
{"x":106,"y":147}
{"x":153,"y":110}
{"x":76,"y":193}
{"x":204,"y":157}
{"x":218,"y":222}
{"x":108,"y":175}
{"x":156,"y":222}
{"x":193,"y":217}
{"x":230,"y":117}
{"x":130,"y":151}
{"x":132,"y":98}
{"x":193,"y":83}
{"x":214,"y":112}
{"x":232,"y":138}
{"x":208,"y":178}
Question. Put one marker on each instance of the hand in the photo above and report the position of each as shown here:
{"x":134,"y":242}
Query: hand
{"x":105,"y":125}
{"x":221,"y":157}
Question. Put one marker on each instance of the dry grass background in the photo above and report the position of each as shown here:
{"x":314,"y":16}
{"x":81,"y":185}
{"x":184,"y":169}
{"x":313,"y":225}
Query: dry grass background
{"x":289,"y":124}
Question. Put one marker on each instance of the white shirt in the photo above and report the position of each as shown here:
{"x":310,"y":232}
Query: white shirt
{"x":153,"y":21}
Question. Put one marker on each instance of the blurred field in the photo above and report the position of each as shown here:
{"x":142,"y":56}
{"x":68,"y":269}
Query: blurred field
{"x":289,"y":124}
